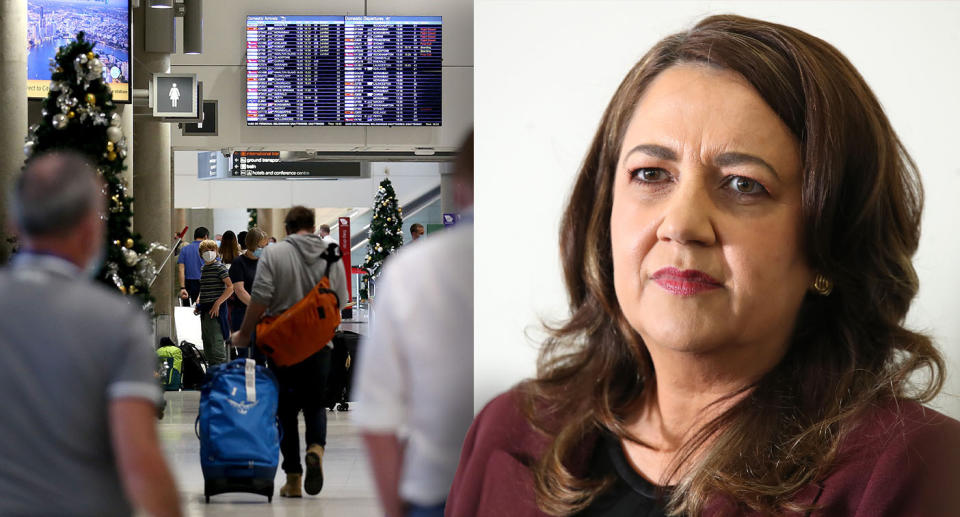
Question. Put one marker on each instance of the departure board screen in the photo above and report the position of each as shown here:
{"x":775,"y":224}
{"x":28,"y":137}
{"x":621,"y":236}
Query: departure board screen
{"x":344,"y":70}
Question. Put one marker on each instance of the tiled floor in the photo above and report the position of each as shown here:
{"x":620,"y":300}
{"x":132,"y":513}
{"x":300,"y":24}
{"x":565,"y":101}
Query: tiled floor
{"x":348,"y":486}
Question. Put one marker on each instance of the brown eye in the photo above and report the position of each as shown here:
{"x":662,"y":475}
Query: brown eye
{"x":650,"y":175}
{"x":744,"y":185}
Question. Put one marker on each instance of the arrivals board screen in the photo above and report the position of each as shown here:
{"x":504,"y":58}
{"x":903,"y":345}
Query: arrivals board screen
{"x":344,"y":70}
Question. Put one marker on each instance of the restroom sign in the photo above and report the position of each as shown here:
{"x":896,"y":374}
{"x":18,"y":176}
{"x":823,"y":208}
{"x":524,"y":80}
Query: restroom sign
{"x":175,"y":96}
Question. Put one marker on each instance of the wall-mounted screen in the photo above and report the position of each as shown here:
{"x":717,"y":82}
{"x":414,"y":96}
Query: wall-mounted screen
{"x":344,"y":70}
{"x":53,"y":23}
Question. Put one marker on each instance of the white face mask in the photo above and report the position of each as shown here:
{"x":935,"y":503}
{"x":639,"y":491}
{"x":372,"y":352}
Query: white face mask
{"x":209,"y":256}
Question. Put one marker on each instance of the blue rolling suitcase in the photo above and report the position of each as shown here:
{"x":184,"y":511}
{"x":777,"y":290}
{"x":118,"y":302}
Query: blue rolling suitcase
{"x":237,"y":427}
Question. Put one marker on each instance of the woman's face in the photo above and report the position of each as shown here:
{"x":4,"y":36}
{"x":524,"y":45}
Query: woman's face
{"x":705,"y":225}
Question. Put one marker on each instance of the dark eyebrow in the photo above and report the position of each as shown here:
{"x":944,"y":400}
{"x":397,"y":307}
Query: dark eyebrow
{"x":732,"y":159}
{"x":655,"y":151}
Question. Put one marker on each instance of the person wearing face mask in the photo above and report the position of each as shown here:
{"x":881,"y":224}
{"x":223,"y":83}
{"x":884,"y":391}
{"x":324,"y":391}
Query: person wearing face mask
{"x":78,"y":434}
{"x":215,"y":288}
{"x":242,"y":272}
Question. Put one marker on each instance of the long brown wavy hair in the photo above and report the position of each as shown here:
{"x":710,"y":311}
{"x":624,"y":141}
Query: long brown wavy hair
{"x":862,"y":200}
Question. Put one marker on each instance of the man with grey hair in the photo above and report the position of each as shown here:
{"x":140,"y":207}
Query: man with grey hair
{"x":78,"y":434}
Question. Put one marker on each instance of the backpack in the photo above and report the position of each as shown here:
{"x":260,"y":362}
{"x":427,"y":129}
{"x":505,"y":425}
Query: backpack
{"x":305,"y":328}
{"x":194,"y":366}
{"x":171,"y":364}
{"x":238,"y":430}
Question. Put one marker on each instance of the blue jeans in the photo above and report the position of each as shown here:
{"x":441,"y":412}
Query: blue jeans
{"x":426,"y":511}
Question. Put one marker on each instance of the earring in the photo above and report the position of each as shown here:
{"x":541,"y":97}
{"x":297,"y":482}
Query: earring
{"x":822,"y":285}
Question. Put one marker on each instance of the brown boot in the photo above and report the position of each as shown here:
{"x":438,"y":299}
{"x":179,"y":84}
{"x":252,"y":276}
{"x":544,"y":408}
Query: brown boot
{"x":314,"y":460}
{"x":292,"y":488}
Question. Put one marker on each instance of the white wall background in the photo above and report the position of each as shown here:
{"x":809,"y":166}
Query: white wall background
{"x":540,"y":93}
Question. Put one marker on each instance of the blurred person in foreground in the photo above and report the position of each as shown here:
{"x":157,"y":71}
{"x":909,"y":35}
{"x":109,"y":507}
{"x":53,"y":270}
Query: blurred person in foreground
{"x":78,"y":434}
{"x":415,"y":378}
{"x":285,"y":273}
{"x":737,"y":254}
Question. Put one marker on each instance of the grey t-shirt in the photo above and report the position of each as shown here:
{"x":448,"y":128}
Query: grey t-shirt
{"x":68,"y":348}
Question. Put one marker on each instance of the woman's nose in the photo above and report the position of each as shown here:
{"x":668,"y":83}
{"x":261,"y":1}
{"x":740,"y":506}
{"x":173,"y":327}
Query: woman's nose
{"x":688,"y":214}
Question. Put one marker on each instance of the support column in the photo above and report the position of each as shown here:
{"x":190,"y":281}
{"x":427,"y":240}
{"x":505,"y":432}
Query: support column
{"x":13,"y":100}
{"x":153,"y":206}
{"x":447,"y":203}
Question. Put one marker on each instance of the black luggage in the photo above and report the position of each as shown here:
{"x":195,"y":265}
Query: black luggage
{"x":342,"y":363}
{"x":194,"y":367}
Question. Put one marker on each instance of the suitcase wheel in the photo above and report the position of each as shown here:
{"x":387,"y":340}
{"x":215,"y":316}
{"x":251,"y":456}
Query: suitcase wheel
{"x":343,"y":406}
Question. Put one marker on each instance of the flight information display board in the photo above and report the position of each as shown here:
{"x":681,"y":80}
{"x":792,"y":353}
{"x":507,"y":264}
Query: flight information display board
{"x":344,"y":70}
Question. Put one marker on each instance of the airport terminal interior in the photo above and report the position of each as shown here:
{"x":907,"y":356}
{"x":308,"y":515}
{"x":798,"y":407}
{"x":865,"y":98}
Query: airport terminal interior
{"x":232,"y":112}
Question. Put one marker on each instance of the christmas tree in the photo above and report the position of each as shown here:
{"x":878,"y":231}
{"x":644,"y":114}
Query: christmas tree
{"x":386,"y":232}
{"x":79,"y":114}
{"x":251,"y":219}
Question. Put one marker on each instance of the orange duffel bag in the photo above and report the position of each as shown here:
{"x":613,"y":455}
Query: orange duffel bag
{"x":305,"y":328}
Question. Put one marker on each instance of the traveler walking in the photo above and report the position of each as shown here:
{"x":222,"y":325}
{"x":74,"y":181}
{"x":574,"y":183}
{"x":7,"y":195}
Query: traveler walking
{"x":215,"y":288}
{"x":78,"y":434}
{"x":415,"y":374}
{"x":189,"y":265}
{"x":286,"y":273}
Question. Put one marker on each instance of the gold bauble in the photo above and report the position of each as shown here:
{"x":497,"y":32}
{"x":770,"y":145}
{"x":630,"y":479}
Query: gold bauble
{"x":132,"y":290}
{"x":91,"y":98}
{"x":109,"y":144}
{"x":130,"y":243}
{"x":123,"y":289}
{"x":116,"y":243}
{"x":111,"y":156}
{"x":91,"y":55}
{"x":71,"y":114}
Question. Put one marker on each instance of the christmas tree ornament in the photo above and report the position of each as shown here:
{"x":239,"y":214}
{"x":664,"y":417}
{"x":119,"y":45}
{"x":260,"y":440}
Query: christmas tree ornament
{"x":28,"y":148}
{"x":130,"y":243}
{"x":109,"y":146}
{"x":91,"y":98}
{"x":116,"y":120}
{"x":111,"y":156}
{"x":71,"y":114}
{"x":59,"y":121}
{"x":129,"y":256}
{"x":114,"y":134}
{"x":91,"y":55}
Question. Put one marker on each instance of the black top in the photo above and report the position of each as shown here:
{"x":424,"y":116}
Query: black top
{"x":631,"y":494}
{"x":243,"y":269}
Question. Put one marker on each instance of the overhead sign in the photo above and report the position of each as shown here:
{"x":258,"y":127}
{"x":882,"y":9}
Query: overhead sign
{"x":175,"y":96}
{"x":208,"y":123}
{"x":267,"y":164}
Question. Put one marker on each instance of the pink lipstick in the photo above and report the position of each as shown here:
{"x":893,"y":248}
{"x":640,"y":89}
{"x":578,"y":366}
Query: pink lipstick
{"x":685,"y":283}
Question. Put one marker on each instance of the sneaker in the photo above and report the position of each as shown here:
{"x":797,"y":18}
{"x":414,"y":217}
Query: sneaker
{"x":292,"y":488}
{"x":314,"y":479}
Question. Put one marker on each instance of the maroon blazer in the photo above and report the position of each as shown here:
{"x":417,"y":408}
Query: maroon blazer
{"x":902,"y":460}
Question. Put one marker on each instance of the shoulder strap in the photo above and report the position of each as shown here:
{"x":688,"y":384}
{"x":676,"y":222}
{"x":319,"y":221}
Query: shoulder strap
{"x":332,"y":255}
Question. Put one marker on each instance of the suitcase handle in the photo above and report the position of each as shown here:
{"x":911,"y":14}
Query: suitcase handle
{"x":196,"y":427}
